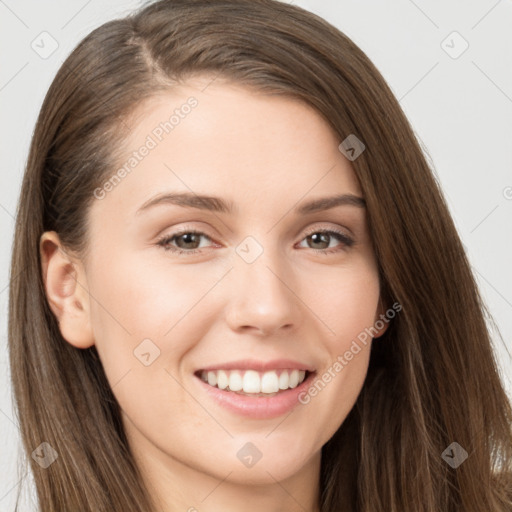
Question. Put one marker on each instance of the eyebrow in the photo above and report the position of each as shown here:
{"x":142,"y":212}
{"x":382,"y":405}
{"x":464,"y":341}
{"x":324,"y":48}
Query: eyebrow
{"x":217,"y":204}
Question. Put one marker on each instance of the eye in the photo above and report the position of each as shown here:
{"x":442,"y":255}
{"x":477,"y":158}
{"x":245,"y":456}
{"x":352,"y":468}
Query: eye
{"x":185,"y":238}
{"x":324,"y":236}
{"x":187,"y":241}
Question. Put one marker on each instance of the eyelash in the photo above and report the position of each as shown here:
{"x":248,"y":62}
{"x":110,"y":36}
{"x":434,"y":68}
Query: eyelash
{"x":339,"y":235}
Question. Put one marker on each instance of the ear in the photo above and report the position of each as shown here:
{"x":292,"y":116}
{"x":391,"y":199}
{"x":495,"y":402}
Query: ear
{"x":66,"y":290}
{"x":381,"y":321}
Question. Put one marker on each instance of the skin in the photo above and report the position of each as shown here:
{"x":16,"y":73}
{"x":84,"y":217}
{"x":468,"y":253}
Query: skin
{"x":267,"y":155}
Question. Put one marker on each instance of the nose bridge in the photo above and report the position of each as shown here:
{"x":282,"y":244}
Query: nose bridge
{"x":262,"y":295}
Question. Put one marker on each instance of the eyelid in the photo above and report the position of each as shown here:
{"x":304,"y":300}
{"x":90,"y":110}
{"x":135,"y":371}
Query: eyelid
{"x":336,"y":229}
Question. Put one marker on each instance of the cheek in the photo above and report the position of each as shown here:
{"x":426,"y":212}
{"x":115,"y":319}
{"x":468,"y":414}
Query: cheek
{"x":142,"y":325}
{"x":145,"y":299}
{"x":332,"y":395}
{"x":345,"y":301}
{"x":140,"y":307}
{"x":347,"y":307}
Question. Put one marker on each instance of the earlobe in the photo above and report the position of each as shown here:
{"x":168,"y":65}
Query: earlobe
{"x":66,"y":290}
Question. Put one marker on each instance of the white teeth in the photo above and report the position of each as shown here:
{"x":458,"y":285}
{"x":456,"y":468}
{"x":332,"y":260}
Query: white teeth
{"x":212,"y":378}
{"x":283,"y":380}
{"x":235,"y":381}
{"x":294,"y":379}
{"x":270,"y":382}
{"x":251,"y":381}
{"x":222,"y":379}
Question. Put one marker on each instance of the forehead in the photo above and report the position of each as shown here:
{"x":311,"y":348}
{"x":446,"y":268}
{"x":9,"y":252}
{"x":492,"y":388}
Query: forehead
{"x":227,"y":140}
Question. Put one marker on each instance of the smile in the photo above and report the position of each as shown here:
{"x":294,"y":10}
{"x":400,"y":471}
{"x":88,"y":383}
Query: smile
{"x":255,"y":404}
{"x":252,"y":382}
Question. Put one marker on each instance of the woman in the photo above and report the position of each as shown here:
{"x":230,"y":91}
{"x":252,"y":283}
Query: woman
{"x":259,"y":371}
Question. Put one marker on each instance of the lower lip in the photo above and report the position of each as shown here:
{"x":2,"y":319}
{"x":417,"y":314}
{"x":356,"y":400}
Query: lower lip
{"x":258,"y":407}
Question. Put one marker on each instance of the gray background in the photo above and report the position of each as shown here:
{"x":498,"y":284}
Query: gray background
{"x":459,"y":104}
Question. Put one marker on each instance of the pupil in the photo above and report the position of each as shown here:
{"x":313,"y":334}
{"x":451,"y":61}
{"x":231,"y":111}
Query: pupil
{"x":187,"y":237}
{"x":314,"y":237}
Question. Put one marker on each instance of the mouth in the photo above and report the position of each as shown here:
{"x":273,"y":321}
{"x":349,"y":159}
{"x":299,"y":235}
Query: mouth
{"x":254,"y":383}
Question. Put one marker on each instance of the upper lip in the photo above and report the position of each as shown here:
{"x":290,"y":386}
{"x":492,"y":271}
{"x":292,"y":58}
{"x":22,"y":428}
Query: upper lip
{"x":261,"y":366}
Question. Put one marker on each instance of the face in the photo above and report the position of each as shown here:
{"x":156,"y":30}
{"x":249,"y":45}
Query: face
{"x":175,"y":289}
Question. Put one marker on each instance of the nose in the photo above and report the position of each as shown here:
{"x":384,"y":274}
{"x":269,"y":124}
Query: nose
{"x":262,"y":298}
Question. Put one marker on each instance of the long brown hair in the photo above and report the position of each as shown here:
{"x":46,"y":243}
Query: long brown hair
{"x":433,"y":379}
